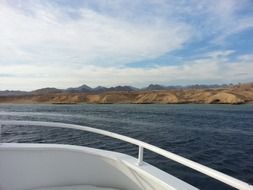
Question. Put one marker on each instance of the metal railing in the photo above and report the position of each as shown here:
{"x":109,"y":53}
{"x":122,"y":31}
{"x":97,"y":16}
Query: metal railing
{"x":231,"y":181}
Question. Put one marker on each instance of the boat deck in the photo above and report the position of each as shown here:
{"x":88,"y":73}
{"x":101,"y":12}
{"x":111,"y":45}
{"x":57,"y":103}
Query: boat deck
{"x":68,"y":167}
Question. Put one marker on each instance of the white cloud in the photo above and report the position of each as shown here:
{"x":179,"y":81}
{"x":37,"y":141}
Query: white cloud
{"x":228,"y":19}
{"x":45,"y":36}
{"x":207,"y":70}
{"x":41,"y":45}
{"x":219,"y":54}
{"x":217,"y":20}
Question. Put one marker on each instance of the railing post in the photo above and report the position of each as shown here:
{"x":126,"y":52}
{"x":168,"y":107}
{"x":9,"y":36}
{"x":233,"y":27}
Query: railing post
{"x":140,"y":156}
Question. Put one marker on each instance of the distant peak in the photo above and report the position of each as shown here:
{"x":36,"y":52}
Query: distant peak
{"x":155,"y":87}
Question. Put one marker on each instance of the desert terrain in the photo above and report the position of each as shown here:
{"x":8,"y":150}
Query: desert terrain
{"x":236,"y":94}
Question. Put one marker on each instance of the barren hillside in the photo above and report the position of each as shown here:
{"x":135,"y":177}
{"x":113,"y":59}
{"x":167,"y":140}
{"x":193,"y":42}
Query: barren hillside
{"x":238,"y":94}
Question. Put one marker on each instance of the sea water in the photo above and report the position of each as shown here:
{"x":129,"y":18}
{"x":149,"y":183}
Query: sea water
{"x":218,"y":136}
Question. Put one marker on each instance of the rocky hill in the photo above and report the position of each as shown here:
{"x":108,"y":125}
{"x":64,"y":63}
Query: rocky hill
{"x":100,"y":89}
{"x":237,"y":94}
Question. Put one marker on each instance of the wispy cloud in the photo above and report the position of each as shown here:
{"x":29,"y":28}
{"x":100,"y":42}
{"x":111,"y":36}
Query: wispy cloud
{"x":209,"y":69}
{"x":93,"y":38}
{"x":67,"y":43}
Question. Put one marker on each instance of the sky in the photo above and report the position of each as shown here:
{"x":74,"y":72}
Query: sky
{"x":67,"y":43}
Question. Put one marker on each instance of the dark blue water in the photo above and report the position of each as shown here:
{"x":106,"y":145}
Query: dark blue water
{"x":219,"y":136}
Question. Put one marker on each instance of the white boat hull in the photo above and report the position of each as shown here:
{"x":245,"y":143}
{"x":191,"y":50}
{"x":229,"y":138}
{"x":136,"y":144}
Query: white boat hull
{"x":44,"y":166}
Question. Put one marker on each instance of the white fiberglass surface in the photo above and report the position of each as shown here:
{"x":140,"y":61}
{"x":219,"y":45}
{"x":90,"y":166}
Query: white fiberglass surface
{"x":52,"y":167}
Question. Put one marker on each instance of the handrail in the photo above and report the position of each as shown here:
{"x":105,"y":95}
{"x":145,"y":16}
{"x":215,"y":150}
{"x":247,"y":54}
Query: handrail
{"x":231,"y":181}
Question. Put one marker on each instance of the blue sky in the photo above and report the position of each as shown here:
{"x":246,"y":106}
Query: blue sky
{"x":63,"y":43}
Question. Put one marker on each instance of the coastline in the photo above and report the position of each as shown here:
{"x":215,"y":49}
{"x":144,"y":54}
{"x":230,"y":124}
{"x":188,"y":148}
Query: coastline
{"x":189,"y":96}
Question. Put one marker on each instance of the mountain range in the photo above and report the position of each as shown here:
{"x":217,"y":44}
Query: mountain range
{"x":100,"y":89}
{"x":153,"y":94}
